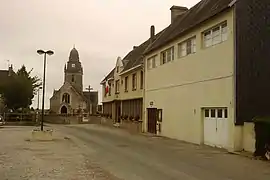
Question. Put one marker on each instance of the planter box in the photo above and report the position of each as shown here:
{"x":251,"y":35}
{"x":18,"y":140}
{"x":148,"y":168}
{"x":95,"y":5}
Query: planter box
{"x":38,"y":135}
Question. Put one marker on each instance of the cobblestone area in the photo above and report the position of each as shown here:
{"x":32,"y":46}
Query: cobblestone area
{"x":61,"y":159}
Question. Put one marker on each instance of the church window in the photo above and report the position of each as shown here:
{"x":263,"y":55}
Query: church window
{"x":73,"y":65}
{"x":72,"y":78}
{"x":66,"y":98}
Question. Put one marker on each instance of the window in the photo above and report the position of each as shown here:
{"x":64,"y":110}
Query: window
{"x":117,"y":69}
{"x":167,"y":55}
{"x":66,"y":98}
{"x":224,"y":32}
{"x":73,"y":65}
{"x":141,"y":79}
{"x":226,"y":113}
{"x":215,"y":35}
{"x":206,"y":113}
{"x":213,"y":113}
{"x":72,"y":78}
{"x":117,"y":84}
{"x":134,"y":82}
{"x":219,"y":113}
{"x":151,"y":62}
{"x":110,"y":89}
{"x":126,"y":84}
{"x":187,"y":47}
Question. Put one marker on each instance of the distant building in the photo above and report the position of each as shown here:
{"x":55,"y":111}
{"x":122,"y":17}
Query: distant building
{"x":70,"y":98}
{"x":5,"y":76}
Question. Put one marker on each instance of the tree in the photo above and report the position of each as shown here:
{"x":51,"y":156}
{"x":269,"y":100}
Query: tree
{"x":19,"y":92}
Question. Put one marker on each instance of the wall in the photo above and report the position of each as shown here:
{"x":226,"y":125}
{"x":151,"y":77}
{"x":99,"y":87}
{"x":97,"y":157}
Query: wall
{"x":186,"y":85}
{"x":249,"y":137}
{"x":76,"y":100}
{"x":252,"y":65}
{"x":131,"y":94}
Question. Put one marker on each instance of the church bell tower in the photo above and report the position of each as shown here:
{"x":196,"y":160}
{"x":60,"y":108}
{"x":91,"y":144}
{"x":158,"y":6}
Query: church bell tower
{"x":73,"y":70}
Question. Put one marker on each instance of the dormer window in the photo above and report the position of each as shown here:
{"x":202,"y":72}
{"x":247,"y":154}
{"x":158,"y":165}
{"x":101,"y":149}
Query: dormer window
{"x":73,"y":65}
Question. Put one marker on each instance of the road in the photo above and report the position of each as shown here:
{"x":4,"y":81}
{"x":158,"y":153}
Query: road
{"x":143,"y":157}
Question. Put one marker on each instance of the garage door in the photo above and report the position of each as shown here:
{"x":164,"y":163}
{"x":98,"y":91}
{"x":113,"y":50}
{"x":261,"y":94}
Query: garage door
{"x":216,"y":127}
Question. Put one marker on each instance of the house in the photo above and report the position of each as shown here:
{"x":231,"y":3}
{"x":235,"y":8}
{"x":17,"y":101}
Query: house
{"x":70,"y":98}
{"x":5,"y":76}
{"x":123,"y":87}
{"x":208,"y":72}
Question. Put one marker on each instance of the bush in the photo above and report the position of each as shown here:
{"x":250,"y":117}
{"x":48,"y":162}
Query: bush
{"x":131,"y":118}
{"x":137,"y":118}
{"x":125,"y":117}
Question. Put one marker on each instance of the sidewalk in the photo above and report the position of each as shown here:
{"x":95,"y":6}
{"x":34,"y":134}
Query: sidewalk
{"x":61,"y":159}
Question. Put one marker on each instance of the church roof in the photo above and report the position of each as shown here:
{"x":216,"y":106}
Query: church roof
{"x":74,"y":55}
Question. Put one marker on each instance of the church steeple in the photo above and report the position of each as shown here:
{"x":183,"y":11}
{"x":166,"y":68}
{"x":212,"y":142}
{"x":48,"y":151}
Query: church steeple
{"x":74,"y":70}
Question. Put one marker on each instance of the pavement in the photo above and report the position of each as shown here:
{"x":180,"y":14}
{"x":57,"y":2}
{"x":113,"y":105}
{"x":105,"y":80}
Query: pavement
{"x":97,"y":152}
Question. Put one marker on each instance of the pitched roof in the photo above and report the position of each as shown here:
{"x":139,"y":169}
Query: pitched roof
{"x":110,"y":75}
{"x":199,"y":13}
{"x":135,"y":57}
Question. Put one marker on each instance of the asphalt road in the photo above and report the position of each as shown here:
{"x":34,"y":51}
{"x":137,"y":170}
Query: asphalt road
{"x":138,"y":157}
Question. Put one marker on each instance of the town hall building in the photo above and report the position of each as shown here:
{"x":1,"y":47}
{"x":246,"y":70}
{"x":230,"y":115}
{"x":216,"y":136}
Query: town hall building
{"x":70,"y":98}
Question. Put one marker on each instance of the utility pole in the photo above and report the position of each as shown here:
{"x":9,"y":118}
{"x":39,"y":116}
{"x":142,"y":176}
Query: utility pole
{"x":89,"y":101}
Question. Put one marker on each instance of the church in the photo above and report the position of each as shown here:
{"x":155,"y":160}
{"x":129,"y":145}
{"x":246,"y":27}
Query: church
{"x":71,"y":98}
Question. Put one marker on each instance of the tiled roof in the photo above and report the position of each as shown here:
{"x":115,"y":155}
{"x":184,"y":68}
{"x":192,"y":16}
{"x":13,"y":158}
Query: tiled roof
{"x":135,"y":57}
{"x":199,"y":13}
{"x":110,"y":75}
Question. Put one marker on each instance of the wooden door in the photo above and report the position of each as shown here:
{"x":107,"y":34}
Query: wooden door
{"x":152,"y":120}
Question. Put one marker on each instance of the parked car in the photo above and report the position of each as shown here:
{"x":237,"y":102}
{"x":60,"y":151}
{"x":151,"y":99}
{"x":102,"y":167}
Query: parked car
{"x":2,"y":121}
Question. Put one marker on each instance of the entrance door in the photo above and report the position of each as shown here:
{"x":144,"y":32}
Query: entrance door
{"x":152,"y":120}
{"x":64,"y":110}
{"x":216,"y":127}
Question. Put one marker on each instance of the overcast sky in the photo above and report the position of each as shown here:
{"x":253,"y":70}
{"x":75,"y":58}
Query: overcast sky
{"x":100,"y":29}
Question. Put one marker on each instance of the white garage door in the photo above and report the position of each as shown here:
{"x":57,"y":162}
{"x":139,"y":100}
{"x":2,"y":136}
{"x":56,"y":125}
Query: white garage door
{"x":216,"y":127}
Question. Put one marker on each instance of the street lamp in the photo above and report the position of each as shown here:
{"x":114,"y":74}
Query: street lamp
{"x":41,"y":52}
{"x":90,"y":109}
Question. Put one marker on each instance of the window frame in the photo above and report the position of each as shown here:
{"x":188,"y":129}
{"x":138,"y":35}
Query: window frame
{"x":164,"y":55}
{"x":151,"y":62}
{"x":187,"y":47}
{"x":211,"y":37}
{"x":134,"y":81}
{"x":126,"y":84}
{"x":117,"y":86}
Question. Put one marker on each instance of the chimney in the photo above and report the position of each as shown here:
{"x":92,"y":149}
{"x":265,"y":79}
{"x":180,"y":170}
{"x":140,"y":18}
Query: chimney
{"x":152,"y":33}
{"x":177,"y":11}
{"x":134,"y":47}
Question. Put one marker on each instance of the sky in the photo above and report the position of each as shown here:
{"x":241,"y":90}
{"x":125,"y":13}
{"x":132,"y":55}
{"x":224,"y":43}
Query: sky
{"x":101,"y":30}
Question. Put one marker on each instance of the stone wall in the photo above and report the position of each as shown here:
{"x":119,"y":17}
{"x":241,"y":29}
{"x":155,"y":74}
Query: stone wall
{"x":59,"y":119}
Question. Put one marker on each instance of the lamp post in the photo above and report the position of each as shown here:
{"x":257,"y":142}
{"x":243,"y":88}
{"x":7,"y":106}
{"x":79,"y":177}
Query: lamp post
{"x":90,"y":109}
{"x":41,"y":52}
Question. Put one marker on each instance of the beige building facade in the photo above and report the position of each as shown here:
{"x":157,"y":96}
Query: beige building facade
{"x":189,"y":83}
{"x":123,"y":99}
